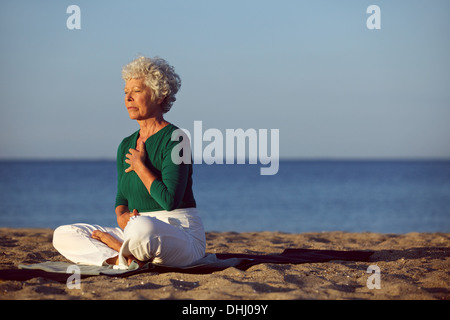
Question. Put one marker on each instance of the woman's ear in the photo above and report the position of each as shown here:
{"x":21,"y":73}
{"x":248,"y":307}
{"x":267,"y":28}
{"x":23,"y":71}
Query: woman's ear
{"x":160,"y":100}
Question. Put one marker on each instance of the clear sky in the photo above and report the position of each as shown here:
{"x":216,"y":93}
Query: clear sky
{"x":311,"y":69}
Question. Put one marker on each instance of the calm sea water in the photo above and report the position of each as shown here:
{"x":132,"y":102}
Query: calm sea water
{"x":387,"y":197}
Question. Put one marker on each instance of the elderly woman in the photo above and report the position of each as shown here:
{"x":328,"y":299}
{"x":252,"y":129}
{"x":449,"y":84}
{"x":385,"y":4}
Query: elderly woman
{"x":155,"y":206}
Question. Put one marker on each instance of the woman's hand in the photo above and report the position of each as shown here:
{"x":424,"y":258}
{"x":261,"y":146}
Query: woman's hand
{"x":123,"y":218}
{"x":136,"y":158}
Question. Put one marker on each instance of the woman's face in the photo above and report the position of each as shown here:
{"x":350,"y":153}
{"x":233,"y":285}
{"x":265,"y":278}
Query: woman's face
{"x":138,"y":100}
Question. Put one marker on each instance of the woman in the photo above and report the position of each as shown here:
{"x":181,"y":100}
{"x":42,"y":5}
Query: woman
{"x":155,"y":206}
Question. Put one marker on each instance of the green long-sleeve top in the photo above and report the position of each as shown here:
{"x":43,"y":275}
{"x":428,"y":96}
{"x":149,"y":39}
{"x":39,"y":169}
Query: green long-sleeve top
{"x":172,"y":188}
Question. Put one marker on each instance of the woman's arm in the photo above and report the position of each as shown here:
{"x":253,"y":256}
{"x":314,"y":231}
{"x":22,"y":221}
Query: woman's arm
{"x":123,"y":215}
{"x":120,"y":198}
{"x":168,"y":191}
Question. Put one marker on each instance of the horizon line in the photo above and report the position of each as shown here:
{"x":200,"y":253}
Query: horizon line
{"x":281,"y":159}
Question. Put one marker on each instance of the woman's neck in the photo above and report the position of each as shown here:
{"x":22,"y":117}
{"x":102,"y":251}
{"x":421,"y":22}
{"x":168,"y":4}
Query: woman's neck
{"x":150,"y":126}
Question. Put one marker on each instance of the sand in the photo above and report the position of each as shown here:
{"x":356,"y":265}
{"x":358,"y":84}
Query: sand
{"x":412,"y":266}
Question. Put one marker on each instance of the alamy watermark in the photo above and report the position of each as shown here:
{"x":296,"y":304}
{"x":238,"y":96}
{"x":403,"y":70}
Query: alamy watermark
{"x":374,"y":280}
{"x":74,"y":281}
{"x":74,"y":20}
{"x":374,"y":20}
{"x":235,"y":146}
{"x":216,"y":151}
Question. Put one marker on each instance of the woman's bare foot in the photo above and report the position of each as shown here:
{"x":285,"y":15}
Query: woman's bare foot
{"x":114,"y":244}
{"x":107,"y":239}
{"x":130,"y":259}
{"x":113,"y":260}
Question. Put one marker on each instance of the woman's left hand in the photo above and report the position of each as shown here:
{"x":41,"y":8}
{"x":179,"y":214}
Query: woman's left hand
{"x":136,"y":158}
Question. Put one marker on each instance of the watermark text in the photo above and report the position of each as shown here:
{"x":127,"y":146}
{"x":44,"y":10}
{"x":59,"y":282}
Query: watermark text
{"x":74,"y":20}
{"x":374,"y":281}
{"x":73,"y":282}
{"x":236,"y":146}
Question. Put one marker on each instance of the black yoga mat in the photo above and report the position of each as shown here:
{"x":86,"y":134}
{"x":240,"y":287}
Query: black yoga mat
{"x":220,"y":262}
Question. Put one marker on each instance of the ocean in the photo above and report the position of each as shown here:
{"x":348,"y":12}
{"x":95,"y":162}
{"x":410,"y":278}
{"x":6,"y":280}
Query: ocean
{"x":304,"y":196}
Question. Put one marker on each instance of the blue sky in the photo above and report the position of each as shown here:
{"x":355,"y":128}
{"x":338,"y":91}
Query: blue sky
{"x":311,"y":69}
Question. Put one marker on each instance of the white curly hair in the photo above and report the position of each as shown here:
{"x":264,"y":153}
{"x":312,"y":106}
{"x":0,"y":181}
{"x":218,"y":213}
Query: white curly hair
{"x":158,"y":75}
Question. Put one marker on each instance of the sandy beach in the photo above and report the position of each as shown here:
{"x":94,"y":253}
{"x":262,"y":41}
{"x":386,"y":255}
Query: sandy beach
{"x":412,"y":266}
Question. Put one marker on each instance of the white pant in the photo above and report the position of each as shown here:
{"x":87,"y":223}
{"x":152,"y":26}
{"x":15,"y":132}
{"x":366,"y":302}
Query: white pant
{"x":172,"y":238}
